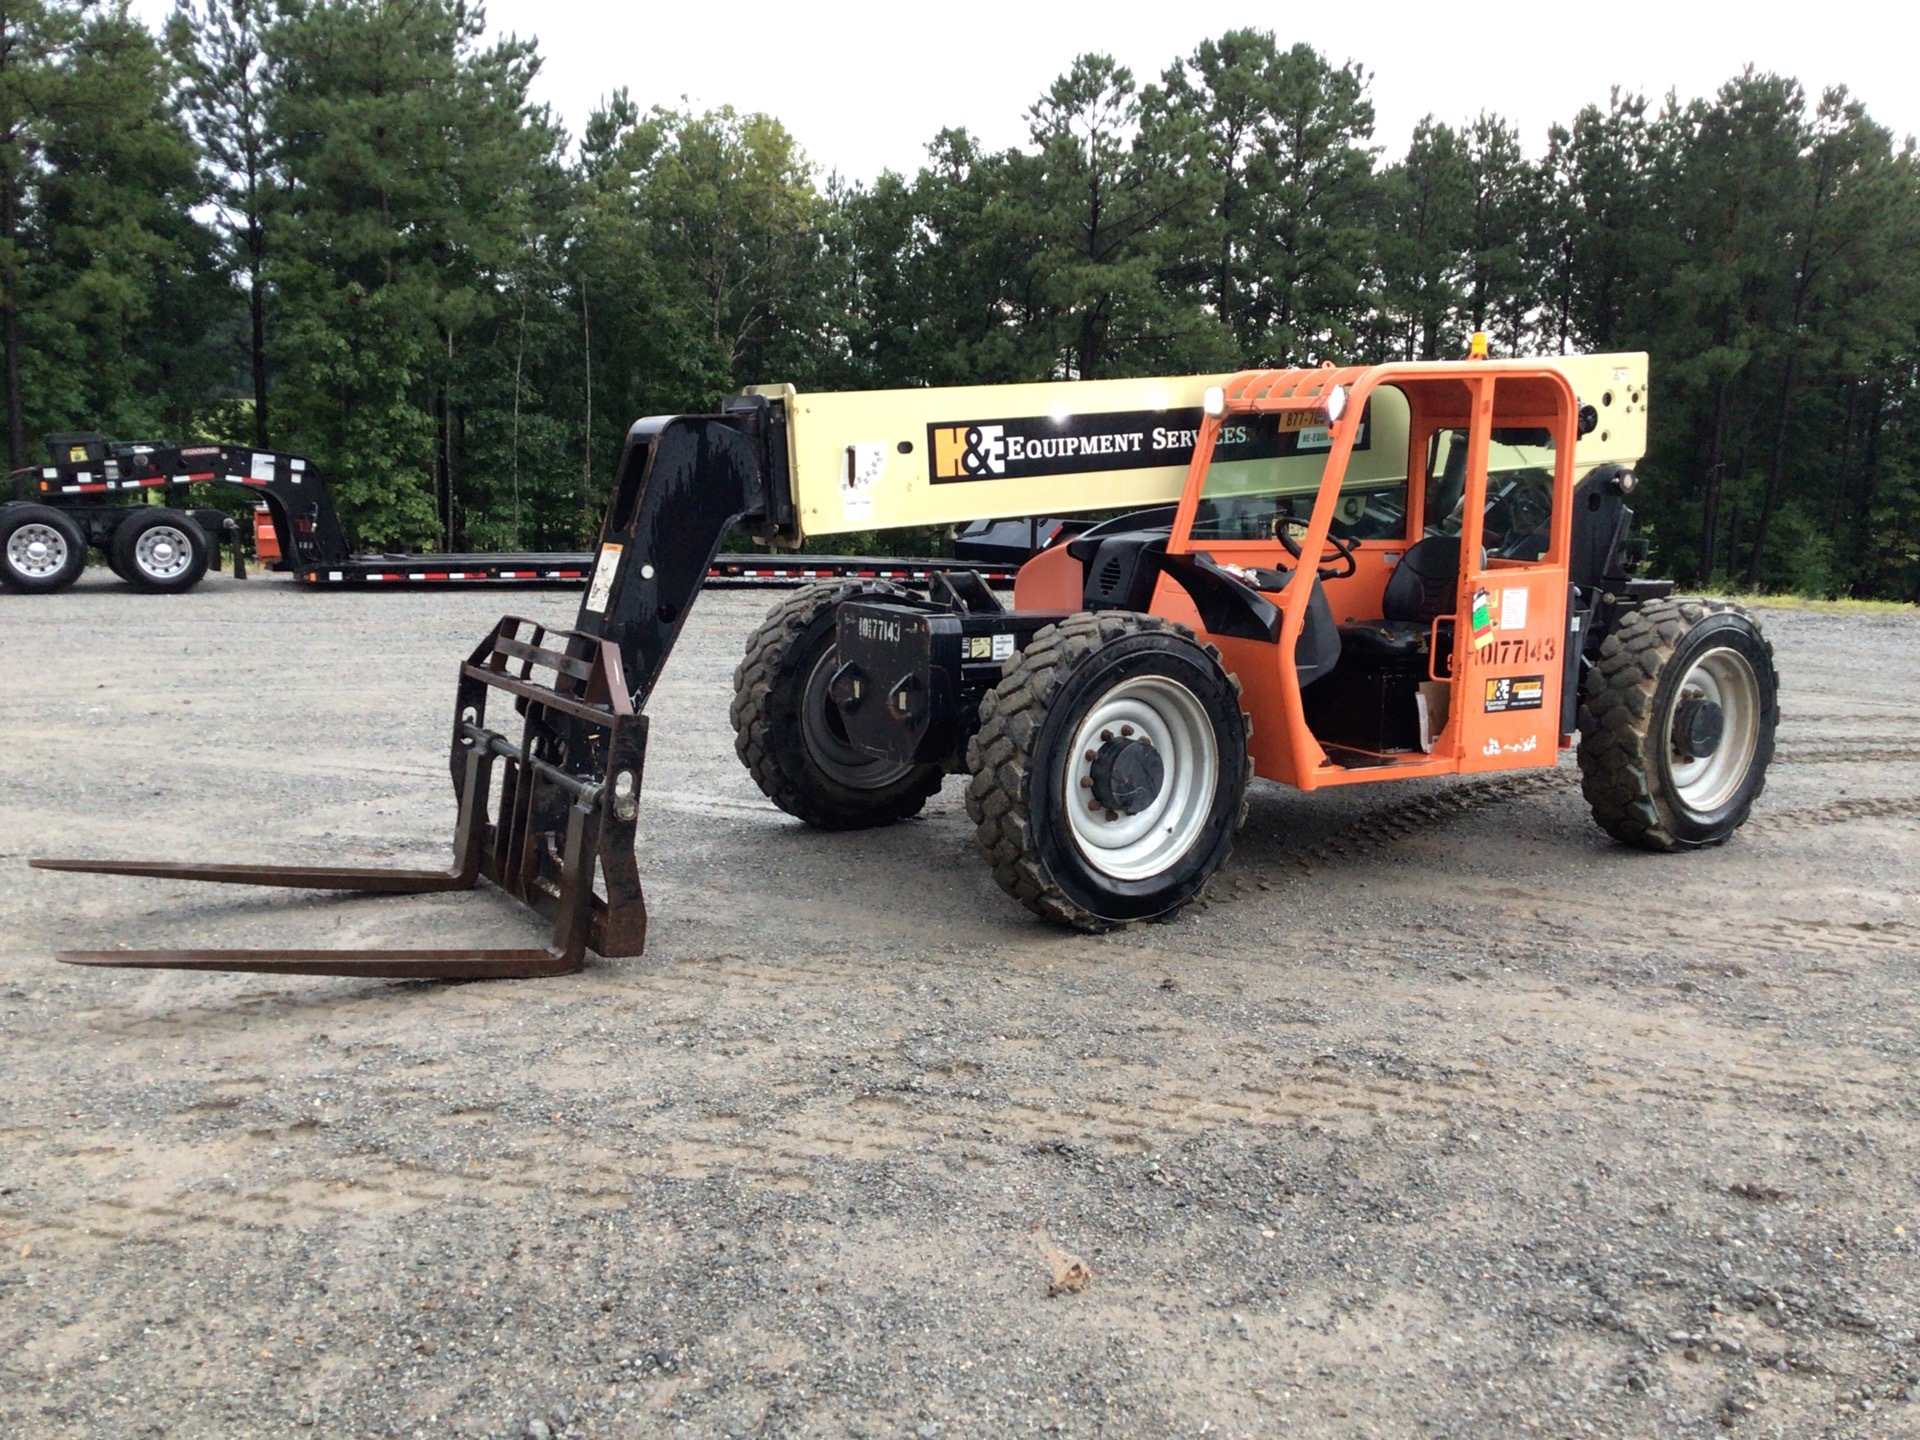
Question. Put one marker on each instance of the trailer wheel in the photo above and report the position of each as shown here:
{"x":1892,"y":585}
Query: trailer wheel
{"x":1109,"y":771}
{"x":1677,"y":723}
{"x":40,"y":548}
{"x":161,"y":549}
{"x":789,"y":734}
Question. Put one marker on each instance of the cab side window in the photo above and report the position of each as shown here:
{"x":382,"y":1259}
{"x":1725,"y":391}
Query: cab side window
{"x":1519,"y":513}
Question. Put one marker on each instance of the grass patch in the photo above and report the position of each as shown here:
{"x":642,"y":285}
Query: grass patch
{"x":1817,"y":606}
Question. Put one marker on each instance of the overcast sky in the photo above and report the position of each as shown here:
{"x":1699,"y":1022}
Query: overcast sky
{"x":865,"y":85}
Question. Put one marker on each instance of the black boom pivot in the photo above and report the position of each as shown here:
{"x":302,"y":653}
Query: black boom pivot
{"x":568,"y":800}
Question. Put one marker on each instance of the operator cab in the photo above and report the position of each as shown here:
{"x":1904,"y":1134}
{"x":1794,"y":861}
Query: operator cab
{"x":1440,"y":509}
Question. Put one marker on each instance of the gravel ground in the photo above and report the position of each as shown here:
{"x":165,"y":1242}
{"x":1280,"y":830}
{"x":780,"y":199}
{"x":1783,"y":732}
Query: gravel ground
{"x":1442,"y":1116}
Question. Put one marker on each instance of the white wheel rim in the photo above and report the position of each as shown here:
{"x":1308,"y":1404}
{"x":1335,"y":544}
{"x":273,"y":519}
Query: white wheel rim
{"x":1723,"y":678}
{"x":162,"y":552}
{"x":1166,"y":715}
{"x":37,"y":551}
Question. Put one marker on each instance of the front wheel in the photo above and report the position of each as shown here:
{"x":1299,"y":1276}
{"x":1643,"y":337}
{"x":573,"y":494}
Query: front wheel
{"x":1109,"y":771}
{"x":40,"y":548}
{"x":1677,"y":723}
{"x":789,"y":734}
{"x":161,"y":549}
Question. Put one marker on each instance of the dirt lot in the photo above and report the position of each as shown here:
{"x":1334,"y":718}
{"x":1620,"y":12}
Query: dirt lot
{"x":1443,"y":1116}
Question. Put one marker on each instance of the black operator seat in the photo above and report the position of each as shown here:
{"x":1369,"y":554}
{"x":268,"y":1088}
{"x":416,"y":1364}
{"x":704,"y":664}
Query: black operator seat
{"x":1423,"y":588}
{"x":1119,"y":556}
{"x":1318,"y":649}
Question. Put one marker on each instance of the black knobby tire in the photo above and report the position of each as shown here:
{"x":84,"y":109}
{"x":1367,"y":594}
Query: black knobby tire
{"x":789,"y":734}
{"x":1661,"y":665}
{"x":41,"y":549}
{"x":1081,"y":688}
{"x":161,"y":549}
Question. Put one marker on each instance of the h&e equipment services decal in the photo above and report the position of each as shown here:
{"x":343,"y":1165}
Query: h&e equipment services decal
{"x":1116,"y":440}
{"x":1515,"y":692}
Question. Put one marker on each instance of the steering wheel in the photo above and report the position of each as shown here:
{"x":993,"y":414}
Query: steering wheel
{"x":1284,"y":533}
{"x":1516,"y":517}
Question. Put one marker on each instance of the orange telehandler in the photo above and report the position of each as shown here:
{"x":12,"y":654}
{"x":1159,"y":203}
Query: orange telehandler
{"x":1334,"y":576}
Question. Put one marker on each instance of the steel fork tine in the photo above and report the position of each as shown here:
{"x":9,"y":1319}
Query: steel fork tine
{"x":369,"y":878}
{"x":371,"y":964}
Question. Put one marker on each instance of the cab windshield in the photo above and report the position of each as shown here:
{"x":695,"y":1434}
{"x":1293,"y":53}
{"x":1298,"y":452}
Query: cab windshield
{"x":1267,"y":470}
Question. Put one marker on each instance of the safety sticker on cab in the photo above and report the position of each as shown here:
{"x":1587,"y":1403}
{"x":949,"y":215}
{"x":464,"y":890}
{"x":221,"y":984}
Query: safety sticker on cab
{"x":1482,"y":617}
{"x":1515,"y":692}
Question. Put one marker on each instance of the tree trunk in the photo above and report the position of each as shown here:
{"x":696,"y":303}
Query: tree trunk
{"x":1716,"y":479}
{"x":1776,"y":467}
{"x":9,"y":278}
{"x":519,"y":364}
{"x":443,"y":405}
{"x":443,"y":468}
{"x":1842,"y":473}
{"x":257,"y":341}
{"x":586,"y":458}
{"x":10,"y":332}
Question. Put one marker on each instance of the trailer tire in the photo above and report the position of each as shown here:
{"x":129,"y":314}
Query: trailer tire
{"x":1677,"y":722}
{"x":41,"y":549}
{"x":162,"y":550}
{"x":789,"y":734}
{"x":113,"y":561}
{"x":1110,"y":770}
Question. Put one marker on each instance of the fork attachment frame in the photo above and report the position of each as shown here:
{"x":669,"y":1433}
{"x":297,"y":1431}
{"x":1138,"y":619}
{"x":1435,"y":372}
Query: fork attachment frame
{"x":569,"y":791}
{"x":568,"y":801}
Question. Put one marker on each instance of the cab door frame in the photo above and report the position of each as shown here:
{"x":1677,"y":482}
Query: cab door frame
{"x":1511,"y":614}
{"x":1460,"y":395}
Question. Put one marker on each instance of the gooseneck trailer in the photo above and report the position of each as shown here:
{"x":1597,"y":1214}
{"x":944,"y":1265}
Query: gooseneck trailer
{"x":96,"y":494}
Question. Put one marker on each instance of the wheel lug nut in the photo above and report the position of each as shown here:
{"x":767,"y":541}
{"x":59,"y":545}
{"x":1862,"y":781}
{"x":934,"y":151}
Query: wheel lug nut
{"x":1126,"y":730}
{"x":1106,"y":734}
{"x":1095,"y":806}
{"x":1086,"y":782}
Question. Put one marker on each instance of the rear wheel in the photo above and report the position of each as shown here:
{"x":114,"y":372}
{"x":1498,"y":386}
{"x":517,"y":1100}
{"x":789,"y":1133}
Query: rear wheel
{"x":40,"y":548}
{"x":1677,"y":724}
{"x":161,"y":549}
{"x":789,"y":734}
{"x":1109,"y":771}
